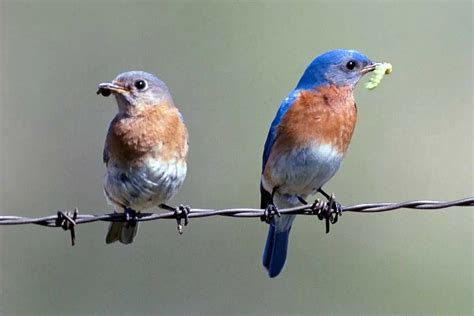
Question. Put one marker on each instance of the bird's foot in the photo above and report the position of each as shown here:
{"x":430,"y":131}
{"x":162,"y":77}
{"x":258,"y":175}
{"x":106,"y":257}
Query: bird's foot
{"x":270,"y":211}
{"x":130,"y":217}
{"x":330,"y":211}
{"x":334,"y":209}
{"x":181,"y":213}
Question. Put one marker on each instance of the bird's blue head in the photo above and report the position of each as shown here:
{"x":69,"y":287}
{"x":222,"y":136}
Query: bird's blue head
{"x":340,"y":67}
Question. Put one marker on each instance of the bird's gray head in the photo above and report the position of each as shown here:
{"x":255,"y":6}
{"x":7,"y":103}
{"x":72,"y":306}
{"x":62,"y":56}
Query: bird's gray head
{"x":136,"y":89}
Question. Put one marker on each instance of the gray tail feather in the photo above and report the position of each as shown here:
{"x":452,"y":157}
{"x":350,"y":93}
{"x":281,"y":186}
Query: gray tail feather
{"x":123,"y":232}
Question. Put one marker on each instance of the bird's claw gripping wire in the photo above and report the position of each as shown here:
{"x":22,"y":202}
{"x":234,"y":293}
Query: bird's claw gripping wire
{"x":130,"y":215}
{"x":329,"y":211}
{"x":270,"y":211}
{"x":334,"y":209}
{"x":67,"y":221}
{"x":182,"y":212}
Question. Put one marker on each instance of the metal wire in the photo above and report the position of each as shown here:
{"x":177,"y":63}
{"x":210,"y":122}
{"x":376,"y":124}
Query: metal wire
{"x":328,"y":211}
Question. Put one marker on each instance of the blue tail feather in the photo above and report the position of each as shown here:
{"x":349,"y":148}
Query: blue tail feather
{"x":276,"y":247}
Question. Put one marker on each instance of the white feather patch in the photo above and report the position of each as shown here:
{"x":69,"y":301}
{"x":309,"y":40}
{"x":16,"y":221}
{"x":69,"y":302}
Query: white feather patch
{"x":303,"y":170}
{"x":153,"y":183}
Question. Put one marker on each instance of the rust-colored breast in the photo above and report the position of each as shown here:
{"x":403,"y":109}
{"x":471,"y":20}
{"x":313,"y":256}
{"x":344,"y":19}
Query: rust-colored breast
{"x":158,"y":131}
{"x":326,"y":116}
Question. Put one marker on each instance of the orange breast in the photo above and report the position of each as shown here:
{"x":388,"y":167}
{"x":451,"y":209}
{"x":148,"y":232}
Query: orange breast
{"x":326,"y":116}
{"x":157,"y":131}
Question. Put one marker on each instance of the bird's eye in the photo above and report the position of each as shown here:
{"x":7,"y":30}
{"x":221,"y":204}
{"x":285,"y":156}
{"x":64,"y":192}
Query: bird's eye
{"x":140,"y":84}
{"x":351,"y":64}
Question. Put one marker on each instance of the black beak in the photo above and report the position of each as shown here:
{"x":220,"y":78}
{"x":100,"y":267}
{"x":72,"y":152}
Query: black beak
{"x":107,"y":88}
{"x":369,"y":68}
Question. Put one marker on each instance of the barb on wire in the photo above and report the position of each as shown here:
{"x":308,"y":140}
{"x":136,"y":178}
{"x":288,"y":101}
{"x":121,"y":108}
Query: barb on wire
{"x":323,"y":210}
{"x":67,"y":222}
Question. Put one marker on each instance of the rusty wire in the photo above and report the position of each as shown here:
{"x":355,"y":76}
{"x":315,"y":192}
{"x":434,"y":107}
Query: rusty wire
{"x":323,"y":210}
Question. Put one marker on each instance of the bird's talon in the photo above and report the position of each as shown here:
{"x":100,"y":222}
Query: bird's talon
{"x":329,"y":211}
{"x":182,"y":212}
{"x":335,"y":209}
{"x":130,"y":215}
{"x":185,"y":210}
{"x":316,"y":207}
{"x":270,"y":211}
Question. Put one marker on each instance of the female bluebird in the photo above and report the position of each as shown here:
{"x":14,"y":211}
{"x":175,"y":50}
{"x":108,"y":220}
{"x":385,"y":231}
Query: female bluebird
{"x":307,"y":141}
{"x":145,"y":149}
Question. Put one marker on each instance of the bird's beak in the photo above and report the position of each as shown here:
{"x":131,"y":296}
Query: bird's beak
{"x":369,"y":68}
{"x":107,"y":88}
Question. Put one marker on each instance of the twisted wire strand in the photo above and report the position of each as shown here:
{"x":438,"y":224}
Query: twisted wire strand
{"x":308,"y":209}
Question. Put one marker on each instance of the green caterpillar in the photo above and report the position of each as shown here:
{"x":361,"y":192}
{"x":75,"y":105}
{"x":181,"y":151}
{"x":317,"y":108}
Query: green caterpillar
{"x":380,"y":70}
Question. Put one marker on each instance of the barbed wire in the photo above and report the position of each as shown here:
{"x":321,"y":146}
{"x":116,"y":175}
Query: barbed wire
{"x":325,"y":210}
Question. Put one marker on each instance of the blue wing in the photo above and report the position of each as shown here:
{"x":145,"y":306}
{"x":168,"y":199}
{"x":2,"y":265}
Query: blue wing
{"x":271,"y":137}
{"x":274,"y":255}
{"x":265,"y":196}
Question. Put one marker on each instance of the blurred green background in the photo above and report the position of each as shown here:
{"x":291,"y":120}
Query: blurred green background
{"x":228,"y":66}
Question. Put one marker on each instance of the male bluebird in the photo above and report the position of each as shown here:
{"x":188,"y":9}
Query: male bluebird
{"x":145,"y":149}
{"x":307,"y":141}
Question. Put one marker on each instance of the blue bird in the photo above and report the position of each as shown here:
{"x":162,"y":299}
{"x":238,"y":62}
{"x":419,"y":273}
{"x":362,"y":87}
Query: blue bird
{"x":307,"y":141}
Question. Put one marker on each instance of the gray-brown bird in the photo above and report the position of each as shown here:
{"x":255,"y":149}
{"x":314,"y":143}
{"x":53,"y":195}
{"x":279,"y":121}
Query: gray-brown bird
{"x":145,"y":150}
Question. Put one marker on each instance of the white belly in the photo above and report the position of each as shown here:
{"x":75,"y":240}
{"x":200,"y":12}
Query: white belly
{"x":302,"y":171}
{"x":144,"y":187}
